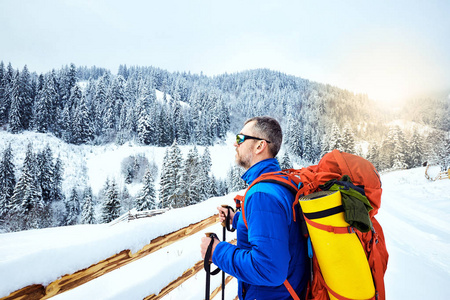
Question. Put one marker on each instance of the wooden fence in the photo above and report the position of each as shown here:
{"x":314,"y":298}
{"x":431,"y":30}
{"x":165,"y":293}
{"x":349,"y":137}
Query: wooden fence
{"x":440,"y":175}
{"x":71,"y":281}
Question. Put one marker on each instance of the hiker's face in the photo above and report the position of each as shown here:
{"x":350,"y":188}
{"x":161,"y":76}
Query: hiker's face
{"x":245,"y":150}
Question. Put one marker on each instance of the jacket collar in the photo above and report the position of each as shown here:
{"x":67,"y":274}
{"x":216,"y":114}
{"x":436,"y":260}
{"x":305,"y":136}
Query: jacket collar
{"x":264,"y":166}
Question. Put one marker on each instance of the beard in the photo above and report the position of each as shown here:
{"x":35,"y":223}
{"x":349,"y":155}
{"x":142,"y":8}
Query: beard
{"x":243,"y":161}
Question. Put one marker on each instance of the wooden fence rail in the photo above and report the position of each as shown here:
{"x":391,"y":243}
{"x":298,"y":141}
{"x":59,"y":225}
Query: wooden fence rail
{"x":71,"y":281}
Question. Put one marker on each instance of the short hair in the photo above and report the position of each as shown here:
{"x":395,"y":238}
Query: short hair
{"x":269,"y":129}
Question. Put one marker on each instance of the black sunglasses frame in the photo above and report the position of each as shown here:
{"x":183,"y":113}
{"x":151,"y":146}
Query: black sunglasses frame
{"x":248,"y":137}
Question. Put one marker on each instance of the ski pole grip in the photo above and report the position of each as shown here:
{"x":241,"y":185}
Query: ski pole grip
{"x":227,"y":221}
{"x":224,"y":223}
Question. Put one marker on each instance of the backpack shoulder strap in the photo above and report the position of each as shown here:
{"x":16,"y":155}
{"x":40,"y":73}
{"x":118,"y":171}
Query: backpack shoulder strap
{"x":281,"y":178}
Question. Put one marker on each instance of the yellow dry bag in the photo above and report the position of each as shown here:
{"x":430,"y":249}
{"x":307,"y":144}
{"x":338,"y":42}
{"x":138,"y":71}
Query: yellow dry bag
{"x":341,"y":257}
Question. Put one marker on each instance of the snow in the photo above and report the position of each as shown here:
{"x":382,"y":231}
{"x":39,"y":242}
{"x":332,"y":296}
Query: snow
{"x":415,"y":216}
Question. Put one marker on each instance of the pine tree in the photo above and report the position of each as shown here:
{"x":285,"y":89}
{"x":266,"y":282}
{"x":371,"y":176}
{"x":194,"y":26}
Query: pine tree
{"x":401,"y":150}
{"x":5,"y":93}
{"x":45,"y":107}
{"x":416,"y":155}
{"x":127,"y":201}
{"x":82,"y":124}
{"x":348,"y":140}
{"x":87,"y":211}
{"x":26,"y":205}
{"x":68,"y":81}
{"x":165,"y":190}
{"x":98,"y":104}
{"x":72,"y":208}
{"x":235,"y":182}
{"x":387,"y":150}
{"x":170,"y":176}
{"x":111,"y":206}
{"x":207,"y":183}
{"x":335,"y":140}
{"x":26,"y":95}
{"x":7,"y":181}
{"x":45,"y":174}
{"x":189,"y":189}
{"x":147,"y":198}
{"x":58,"y":171}
{"x":374,"y":156}
{"x":17,"y":105}
{"x":286,"y":162}
{"x":2,"y":94}
{"x":308,"y":152}
{"x":165,"y":129}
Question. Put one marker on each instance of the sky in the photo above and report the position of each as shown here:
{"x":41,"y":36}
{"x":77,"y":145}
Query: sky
{"x":390,"y":50}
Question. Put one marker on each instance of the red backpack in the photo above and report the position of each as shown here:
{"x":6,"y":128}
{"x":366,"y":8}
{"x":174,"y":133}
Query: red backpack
{"x":305,"y":181}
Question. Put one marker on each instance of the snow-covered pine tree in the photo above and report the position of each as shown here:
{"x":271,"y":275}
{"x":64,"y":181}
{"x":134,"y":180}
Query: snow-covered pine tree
{"x":127,"y":201}
{"x":87,"y":211}
{"x":334,"y":138}
{"x":308,"y":152}
{"x":207,"y":186}
{"x":401,"y":150}
{"x":348,"y":139}
{"x":58,"y":172}
{"x":387,"y":149}
{"x":416,"y":153}
{"x":5,"y":92}
{"x":45,"y":106}
{"x":7,"y":181}
{"x":179,"y":132}
{"x":294,"y":136}
{"x":65,"y":124}
{"x":26,"y":205}
{"x":165,"y":190}
{"x":442,"y":149}
{"x":98,"y":104}
{"x":145,"y":131}
{"x":285,"y":161}
{"x":374,"y":155}
{"x":2,"y":94}
{"x":26,"y":94}
{"x":147,"y":197}
{"x":111,"y":205}
{"x":189,"y":189}
{"x":109,"y":116}
{"x":235,"y":182}
{"x":17,"y":105}
{"x":72,"y":208}
{"x":45,"y":174}
{"x":67,"y":81}
{"x":82,"y":123}
{"x":164,"y":128}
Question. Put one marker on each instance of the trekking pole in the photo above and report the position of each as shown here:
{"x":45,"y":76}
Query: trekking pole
{"x":207,"y":264}
{"x":226,"y":226}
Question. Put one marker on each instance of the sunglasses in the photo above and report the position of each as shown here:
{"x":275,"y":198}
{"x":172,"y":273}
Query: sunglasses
{"x":240,"y":138}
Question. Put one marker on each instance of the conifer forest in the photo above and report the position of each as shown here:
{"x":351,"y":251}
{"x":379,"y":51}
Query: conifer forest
{"x":93,"y":106}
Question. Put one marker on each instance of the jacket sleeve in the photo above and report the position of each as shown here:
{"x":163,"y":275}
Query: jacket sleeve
{"x":267,"y":262}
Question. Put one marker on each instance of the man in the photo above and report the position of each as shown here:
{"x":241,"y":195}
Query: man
{"x":272,"y":249}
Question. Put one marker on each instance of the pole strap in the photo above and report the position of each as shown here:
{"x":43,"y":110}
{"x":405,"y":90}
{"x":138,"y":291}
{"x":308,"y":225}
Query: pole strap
{"x":207,"y":265}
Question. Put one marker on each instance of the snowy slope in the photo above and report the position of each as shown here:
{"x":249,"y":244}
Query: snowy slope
{"x":415,"y":216}
{"x":93,"y":165}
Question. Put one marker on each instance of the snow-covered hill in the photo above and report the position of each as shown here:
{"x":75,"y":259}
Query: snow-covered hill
{"x":92,"y":165}
{"x":415,"y":216}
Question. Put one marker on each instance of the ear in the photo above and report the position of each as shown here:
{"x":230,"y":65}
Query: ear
{"x":261,"y":146}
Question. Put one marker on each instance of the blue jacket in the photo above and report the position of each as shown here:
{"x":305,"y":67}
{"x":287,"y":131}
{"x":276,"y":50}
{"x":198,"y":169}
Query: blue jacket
{"x":272,"y":249}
